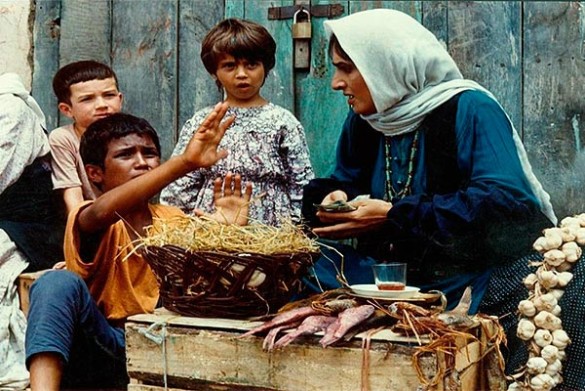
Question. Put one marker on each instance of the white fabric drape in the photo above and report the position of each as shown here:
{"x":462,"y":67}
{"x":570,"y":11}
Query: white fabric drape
{"x":22,"y":140}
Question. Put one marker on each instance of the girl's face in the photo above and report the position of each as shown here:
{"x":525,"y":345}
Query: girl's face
{"x":241,"y":80}
{"x":349,"y":80}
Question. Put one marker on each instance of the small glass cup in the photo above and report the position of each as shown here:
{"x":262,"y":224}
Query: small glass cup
{"x":390,"y":276}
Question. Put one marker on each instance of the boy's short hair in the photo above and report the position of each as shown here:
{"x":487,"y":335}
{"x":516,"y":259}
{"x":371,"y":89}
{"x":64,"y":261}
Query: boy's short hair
{"x":241,"y":39}
{"x":78,"y":72}
{"x":94,"y":142}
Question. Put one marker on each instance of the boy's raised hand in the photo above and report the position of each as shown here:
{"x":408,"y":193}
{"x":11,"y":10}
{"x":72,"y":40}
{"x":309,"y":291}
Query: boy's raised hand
{"x":231,"y":202}
{"x":202,"y":148}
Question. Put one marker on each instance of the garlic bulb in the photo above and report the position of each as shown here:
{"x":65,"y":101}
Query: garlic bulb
{"x":525,"y":329}
{"x":540,"y":324}
{"x":571,"y":251}
{"x":555,"y":257}
{"x":543,"y":338}
{"x":542,"y":382}
{"x":530,"y":280}
{"x":547,"y":278}
{"x":550,"y":353}
{"x":515,"y":386}
{"x":560,"y":338}
{"x":527,"y":308}
{"x":553,"y":368}
{"x":545,"y":302}
{"x":547,"y":321}
{"x":564,"y":278}
{"x":536,"y":365}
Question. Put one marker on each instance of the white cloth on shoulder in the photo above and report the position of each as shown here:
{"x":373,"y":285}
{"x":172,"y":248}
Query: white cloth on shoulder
{"x":22,"y":135}
{"x":409,"y":74}
{"x":13,"y":373}
{"x":22,"y":140}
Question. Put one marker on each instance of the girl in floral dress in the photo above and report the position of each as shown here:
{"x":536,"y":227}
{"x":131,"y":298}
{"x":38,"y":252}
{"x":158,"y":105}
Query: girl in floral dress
{"x":267,"y":143}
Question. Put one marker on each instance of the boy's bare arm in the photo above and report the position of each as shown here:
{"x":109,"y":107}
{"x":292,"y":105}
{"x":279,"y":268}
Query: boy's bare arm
{"x":72,"y":196}
{"x":202,"y":151}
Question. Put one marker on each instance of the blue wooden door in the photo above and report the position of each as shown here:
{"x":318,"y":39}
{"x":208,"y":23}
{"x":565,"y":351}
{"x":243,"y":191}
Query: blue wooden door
{"x":529,"y":54}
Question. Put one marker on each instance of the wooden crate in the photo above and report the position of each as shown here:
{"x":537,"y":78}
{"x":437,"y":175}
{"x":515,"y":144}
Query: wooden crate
{"x":207,"y":354}
{"x":25,"y":280}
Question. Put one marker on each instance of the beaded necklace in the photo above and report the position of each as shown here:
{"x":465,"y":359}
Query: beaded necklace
{"x":391,"y":193}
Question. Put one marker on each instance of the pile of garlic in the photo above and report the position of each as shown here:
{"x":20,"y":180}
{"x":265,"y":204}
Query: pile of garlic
{"x":540,"y":325}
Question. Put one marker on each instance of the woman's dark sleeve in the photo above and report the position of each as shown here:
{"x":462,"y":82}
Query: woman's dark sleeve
{"x":493,"y":206}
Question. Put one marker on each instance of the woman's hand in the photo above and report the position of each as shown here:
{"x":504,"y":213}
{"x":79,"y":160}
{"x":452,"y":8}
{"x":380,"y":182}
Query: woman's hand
{"x":231,"y":204}
{"x":202,"y":148}
{"x":336,"y":195}
{"x":369,"y":215}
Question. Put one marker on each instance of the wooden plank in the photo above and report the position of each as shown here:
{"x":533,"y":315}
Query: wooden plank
{"x":164,"y":316}
{"x":145,"y":59}
{"x":25,"y":281}
{"x":413,"y":8}
{"x":434,"y":18}
{"x":320,"y":109}
{"x":85,"y":34}
{"x":279,"y":86}
{"x":231,"y":360}
{"x":554,"y":70}
{"x":196,"y":88}
{"x":85,"y":31}
{"x":234,"y":9}
{"x":46,"y":57}
{"x":484,"y":42}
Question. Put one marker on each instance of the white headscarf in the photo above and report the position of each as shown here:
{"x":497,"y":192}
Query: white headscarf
{"x":409,"y":74}
{"x":22,"y":136}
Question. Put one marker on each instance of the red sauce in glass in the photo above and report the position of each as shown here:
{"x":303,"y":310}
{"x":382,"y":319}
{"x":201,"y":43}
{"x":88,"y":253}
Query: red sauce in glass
{"x":390,"y":286}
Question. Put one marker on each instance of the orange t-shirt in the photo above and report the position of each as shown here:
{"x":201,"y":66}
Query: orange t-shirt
{"x":121,"y":284}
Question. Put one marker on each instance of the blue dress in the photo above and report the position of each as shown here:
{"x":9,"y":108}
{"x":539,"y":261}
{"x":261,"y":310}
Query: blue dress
{"x":461,"y":202}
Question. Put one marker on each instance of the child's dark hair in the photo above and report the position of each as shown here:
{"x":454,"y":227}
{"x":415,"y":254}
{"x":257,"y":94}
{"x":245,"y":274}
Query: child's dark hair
{"x":240,"y":38}
{"x":334,"y":45}
{"x":78,"y":72}
{"x":95,"y":140}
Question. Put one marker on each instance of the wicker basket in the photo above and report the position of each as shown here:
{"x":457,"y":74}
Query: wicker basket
{"x":226,"y":285}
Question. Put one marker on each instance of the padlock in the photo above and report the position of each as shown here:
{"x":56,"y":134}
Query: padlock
{"x":301,"y":30}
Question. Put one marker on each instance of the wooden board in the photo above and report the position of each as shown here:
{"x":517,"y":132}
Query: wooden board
{"x":189,"y":353}
{"x":529,"y":54}
{"x":25,"y":281}
{"x":144,"y":44}
{"x":198,"y":350}
{"x":554,"y":68}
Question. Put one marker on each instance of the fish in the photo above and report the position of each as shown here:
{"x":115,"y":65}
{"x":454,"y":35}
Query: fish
{"x":268,"y":343}
{"x":282,"y":319}
{"x":459,"y":316}
{"x":310,"y":325}
{"x":345,"y":321}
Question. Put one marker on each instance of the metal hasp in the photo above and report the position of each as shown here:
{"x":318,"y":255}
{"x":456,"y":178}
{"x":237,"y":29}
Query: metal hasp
{"x":301,"y":27}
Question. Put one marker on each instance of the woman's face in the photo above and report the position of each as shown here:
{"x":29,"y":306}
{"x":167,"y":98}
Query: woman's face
{"x":349,"y":80}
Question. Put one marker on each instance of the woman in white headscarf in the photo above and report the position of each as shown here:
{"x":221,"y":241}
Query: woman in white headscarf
{"x":31,"y":234}
{"x":451,"y":191}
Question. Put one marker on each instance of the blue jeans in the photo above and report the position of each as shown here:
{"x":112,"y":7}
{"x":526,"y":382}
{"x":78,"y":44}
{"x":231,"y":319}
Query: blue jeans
{"x":64,"y":319}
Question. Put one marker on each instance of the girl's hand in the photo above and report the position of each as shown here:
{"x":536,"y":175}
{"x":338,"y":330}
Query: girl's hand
{"x":369,"y":215}
{"x":202,"y":148}
{"x":231,"y":204}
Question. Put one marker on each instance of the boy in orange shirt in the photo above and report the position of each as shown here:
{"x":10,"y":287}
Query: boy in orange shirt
{"x":76,"y":317}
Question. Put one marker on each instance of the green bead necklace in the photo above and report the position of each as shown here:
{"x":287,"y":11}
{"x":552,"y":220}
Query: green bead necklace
{"x":391,"y":193}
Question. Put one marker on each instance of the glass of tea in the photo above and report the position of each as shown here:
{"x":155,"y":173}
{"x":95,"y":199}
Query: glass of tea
{"x":390,"y":276}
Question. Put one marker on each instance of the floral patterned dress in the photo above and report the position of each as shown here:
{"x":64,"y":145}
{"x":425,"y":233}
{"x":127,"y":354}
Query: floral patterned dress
{"x":267,"y":147}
